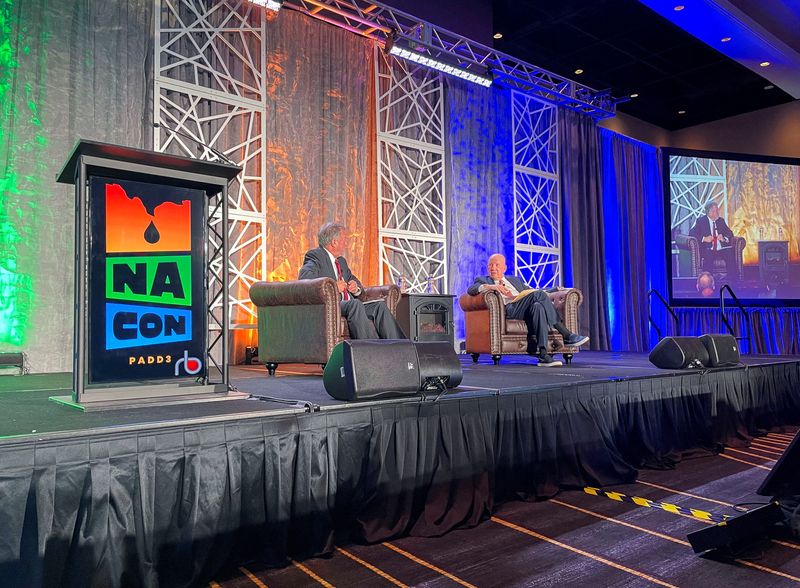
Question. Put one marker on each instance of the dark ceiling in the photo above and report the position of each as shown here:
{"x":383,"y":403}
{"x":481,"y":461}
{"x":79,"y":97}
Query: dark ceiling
{"x":624,"y":46}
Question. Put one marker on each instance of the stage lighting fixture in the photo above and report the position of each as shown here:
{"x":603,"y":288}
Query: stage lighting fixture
{"x":274,"y":5}
{"x":421,"y":53}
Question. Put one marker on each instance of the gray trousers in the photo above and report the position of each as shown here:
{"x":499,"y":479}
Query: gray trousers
{"x":370,"y":321}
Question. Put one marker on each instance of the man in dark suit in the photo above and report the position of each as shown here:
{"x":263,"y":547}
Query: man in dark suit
{"x":536,"y":309}
{"x":364,"y":321}
{"x":716,"y":241}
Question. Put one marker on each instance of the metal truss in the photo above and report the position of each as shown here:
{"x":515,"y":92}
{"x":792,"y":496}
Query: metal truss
{"x":209,"y":87}
{"x":694,"y":182}
{"x":412,"y":218}
{"x":377,"y":21}
{"x":537,"y":209}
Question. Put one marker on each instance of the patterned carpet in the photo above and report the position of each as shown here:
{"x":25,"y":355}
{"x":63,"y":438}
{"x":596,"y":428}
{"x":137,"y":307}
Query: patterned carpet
{"x":577,"y":538}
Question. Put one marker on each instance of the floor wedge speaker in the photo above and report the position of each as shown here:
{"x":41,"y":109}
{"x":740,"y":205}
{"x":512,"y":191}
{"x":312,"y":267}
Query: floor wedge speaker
{"x":438,"y":365}
{"x":723,"y":350}
{"x":679,"y":353}
{"x":369,"y":369}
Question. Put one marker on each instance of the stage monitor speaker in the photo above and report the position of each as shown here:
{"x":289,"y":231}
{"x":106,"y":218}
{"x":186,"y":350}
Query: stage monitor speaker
{"x":723,"y":350}
{"x":679,"y":353}
{"x":738,"y":532}
{"x":387,"y":368}
{"x":438,"y":365}
{"x":784,"y":478}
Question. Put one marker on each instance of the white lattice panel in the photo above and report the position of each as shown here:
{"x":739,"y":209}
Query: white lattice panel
{"x":415,"y":259}
{"x":209,"y":88}
{"x":410,"y":100}
{"x":535,"y":134}
{"x":539,"y":269}
{"x":213,"y":44}
{"x":411,"y":197}
{"x":537,"y":208}
{"x":694,"y":182}
{"x":412,"y":209}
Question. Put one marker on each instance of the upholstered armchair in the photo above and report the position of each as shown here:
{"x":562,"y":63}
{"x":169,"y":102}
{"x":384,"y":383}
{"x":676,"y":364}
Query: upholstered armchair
{"x":300,"y":322}
{"x":689,"y":246}
{"x":489,"y":331}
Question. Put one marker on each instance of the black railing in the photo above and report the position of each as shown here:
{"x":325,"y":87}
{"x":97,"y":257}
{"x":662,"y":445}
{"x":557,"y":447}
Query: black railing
{"x":667,"y":306}
{"x":744,"y":312}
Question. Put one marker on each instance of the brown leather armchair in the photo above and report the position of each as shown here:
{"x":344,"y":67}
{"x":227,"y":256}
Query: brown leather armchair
{"x":299,"y":321}
{"x":489,"y":331}
{"x":689,"y":246}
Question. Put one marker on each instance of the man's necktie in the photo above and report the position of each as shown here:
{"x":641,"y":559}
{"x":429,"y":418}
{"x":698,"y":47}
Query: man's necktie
{"x":714,"y":237}
{"x":345,"y":294}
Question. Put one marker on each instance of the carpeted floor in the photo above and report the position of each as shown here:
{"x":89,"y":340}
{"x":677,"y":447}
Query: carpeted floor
{"x":575,"y":539}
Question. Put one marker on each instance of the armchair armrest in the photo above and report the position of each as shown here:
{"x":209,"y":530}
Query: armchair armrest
{"x":389,"y":293}
{"x":294,"y":293}
{"x":686,"y":242}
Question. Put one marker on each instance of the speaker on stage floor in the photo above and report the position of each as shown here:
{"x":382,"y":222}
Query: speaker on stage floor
{"x":388,"y":368}
{"x":723,"y":350}
{"x":679,"y":353}
{"x":783,"y":485}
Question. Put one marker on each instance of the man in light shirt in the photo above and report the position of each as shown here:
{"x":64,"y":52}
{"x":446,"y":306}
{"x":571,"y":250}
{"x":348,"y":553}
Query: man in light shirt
{"x":536,"y":309}
{"x":364,"y":321}
{"x":716,"y":241}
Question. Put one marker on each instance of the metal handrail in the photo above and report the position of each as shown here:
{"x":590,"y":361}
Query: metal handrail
{"x":669,"y":309}
{"x":743,"y":310}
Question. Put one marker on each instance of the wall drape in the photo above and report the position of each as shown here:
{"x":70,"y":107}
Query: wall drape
{"x":320,"y":132}
{"x":67,"y":71}
{"x":583,"y":242}
{"x":633,"y":216}
{"x":479,"y":182}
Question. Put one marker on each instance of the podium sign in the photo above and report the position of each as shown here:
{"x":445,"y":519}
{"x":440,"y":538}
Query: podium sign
{"x":147,"y":300}
{"x":146,"y":254}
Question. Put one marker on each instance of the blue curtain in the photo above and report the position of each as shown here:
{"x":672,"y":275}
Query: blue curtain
{"x":479,"y":182}
{"x":583,"y":234}
{"x":633,"y":220}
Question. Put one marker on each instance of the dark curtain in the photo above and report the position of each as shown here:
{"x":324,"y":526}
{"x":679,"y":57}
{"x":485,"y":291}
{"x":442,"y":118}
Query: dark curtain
{"x":634,"y":236}
{"x":584,"y":244}
{"x":68,"y":70}
{"x":479,"y":182}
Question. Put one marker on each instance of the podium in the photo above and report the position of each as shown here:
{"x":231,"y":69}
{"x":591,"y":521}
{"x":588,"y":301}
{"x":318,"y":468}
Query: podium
{"x":151,"y":267}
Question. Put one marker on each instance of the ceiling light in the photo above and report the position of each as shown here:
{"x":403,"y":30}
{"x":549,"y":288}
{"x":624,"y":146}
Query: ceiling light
{"x":578,"y":71}
{"x":681,"y":112}
{"x":679,"y":7}
{"x":273,"y":5}
{"x":498,"y":35}
{"x":416,"y":51}
{"x":764,"y":64}
{"x":634,"y":95}
{"x":769,"y":87}
{"x":725,"y":39}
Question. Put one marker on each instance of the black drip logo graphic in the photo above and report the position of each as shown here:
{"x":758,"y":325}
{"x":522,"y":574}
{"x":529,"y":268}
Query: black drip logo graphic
{"x":151,"y":234}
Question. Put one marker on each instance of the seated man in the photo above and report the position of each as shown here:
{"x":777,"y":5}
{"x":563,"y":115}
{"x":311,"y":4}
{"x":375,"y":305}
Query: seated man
{"x":364,"y":321}
{"x":716,"y":241}
{"x":536,"y":309}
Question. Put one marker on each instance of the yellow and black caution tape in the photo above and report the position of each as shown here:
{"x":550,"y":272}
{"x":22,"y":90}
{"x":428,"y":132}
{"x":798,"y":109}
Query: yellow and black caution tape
{"x":673,"y":508}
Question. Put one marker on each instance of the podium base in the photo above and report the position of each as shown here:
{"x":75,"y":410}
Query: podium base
{"x":211,"y":393}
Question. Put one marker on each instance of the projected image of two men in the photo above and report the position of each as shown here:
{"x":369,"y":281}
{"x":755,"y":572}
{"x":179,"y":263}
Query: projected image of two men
{"x":734,"y":222}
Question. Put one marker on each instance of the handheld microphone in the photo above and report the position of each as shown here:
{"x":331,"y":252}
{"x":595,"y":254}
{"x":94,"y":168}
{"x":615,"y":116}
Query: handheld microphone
{"x":220,"y":155}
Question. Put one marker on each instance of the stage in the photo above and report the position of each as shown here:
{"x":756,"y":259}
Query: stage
{"x":173,"y":491}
